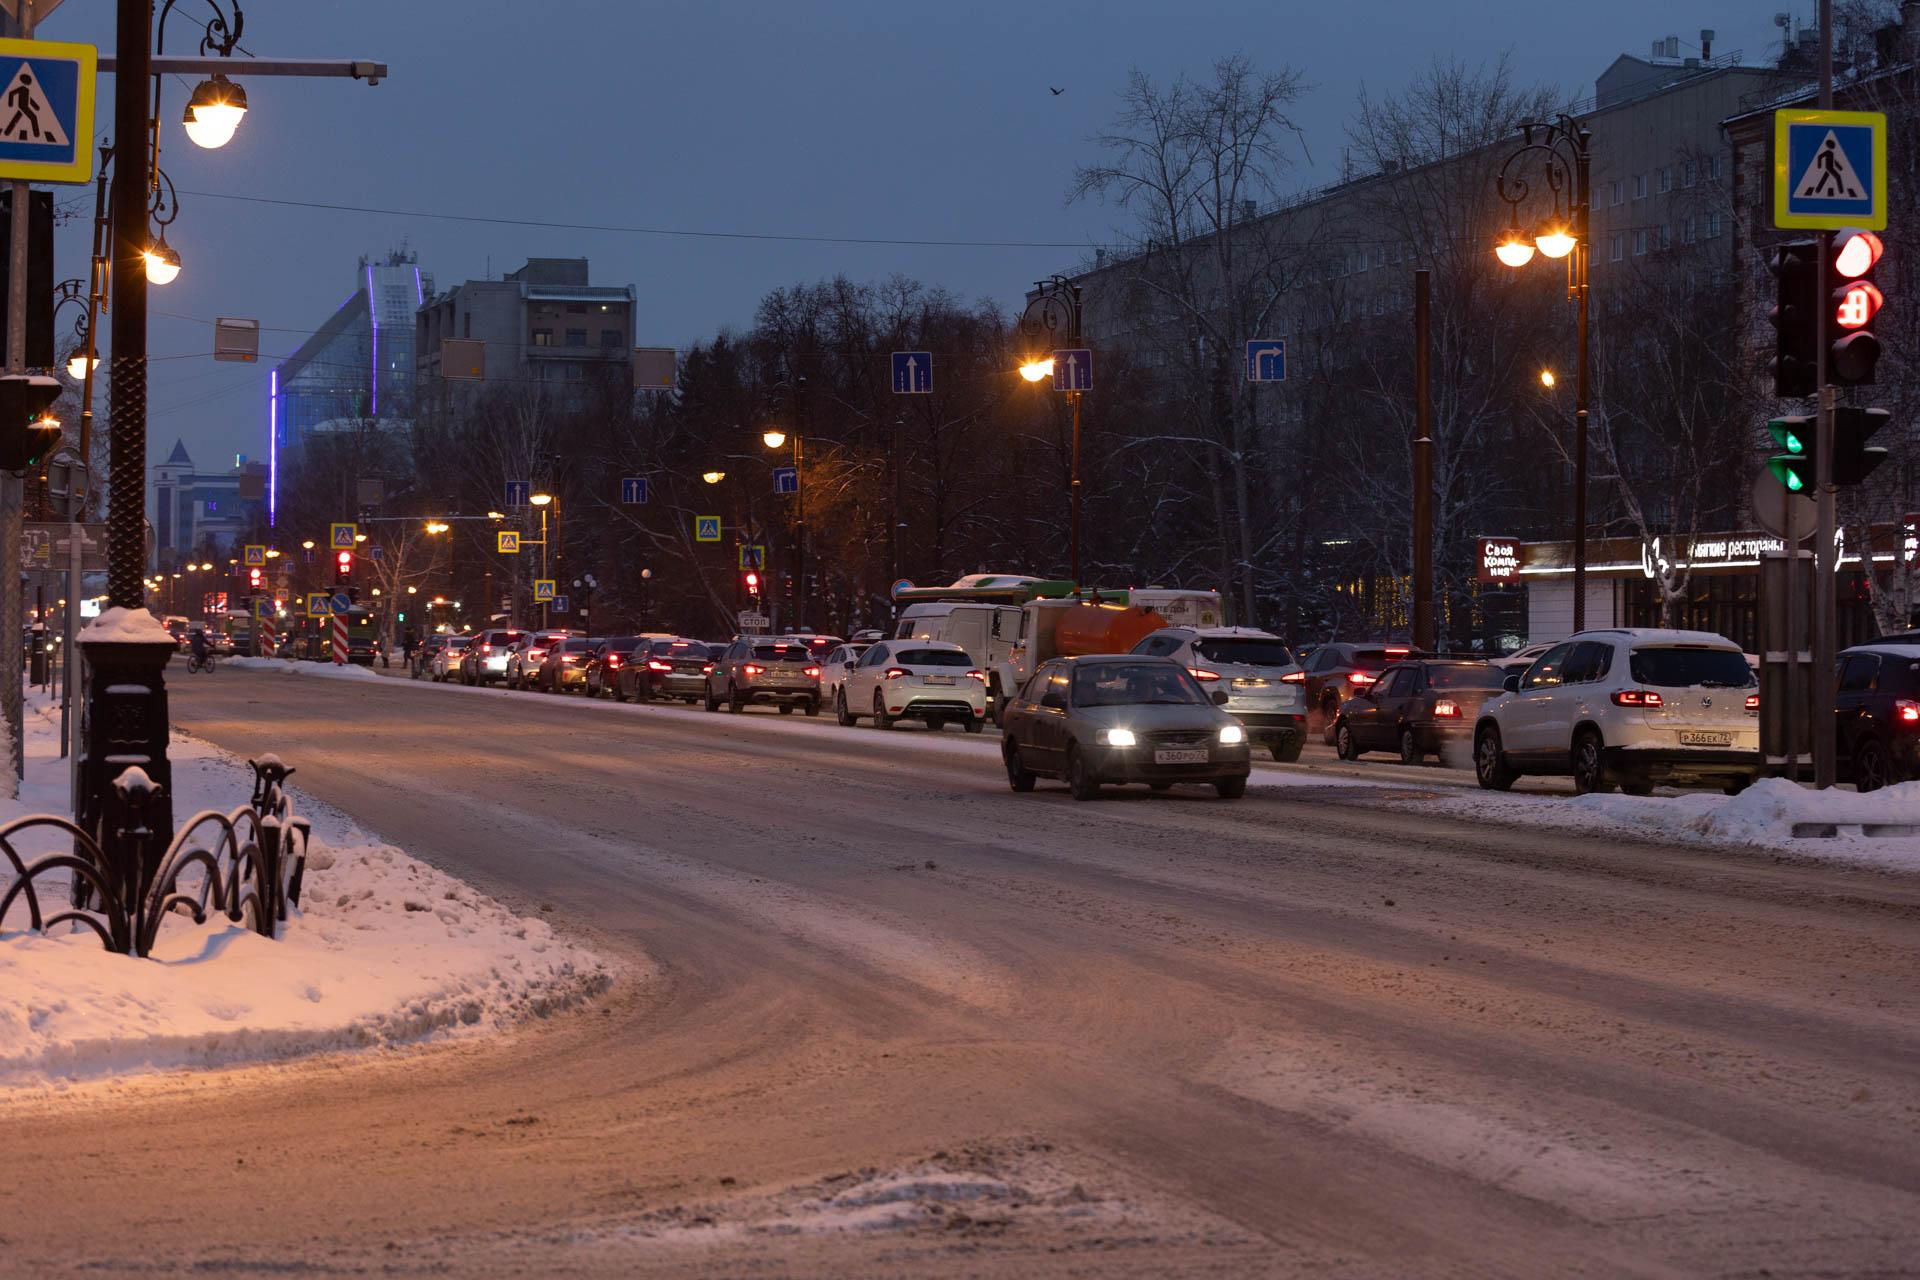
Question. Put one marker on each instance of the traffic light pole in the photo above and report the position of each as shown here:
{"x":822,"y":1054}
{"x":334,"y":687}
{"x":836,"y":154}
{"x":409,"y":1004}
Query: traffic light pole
{"x":1825,"y":749}
{"x":11,"y":486}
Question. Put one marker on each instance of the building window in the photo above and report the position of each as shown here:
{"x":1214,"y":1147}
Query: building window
{"x":1686,"y":231}
{"x":1616,"y":247}
{"x":1713,"y":168}
{"x":1713,"y":226}
{"x":610,"y":339}
{"x":1619,"y":192}
{"x":1639,"y":186}
{"x":1686,"y":174}
{"x":576,"y":337}
{"x":1639,"y":242}
{"x":543,"y":337}
{"x":1666,"y":178}
{"x":466,"y":325}
{"x":1666,"y":235}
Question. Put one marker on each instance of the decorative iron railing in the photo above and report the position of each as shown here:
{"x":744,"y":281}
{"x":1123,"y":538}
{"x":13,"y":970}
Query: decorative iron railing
{"x":247,"y":864}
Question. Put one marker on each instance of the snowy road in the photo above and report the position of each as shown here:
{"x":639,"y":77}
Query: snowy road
{"x":904,"y":1022}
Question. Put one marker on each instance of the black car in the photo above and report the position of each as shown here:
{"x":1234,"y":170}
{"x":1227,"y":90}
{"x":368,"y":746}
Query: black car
{"x":665,"y":667}
{"x":604,"y":664}
{"x":1417,"y":708}
{"x":1339,"y":669}
{"x":1877,"y":714}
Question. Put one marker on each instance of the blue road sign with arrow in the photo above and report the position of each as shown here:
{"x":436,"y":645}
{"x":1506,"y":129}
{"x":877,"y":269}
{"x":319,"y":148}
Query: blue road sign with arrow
{"x":562,"y":605}
{"x":1267,"y":360}
{"x":633,"y":491}
{"x":786,"y":479}
{"x":342,"y":602}
{"x":518,"y":491}
{"x":1073,"y":370}
{"x":913,"y":373}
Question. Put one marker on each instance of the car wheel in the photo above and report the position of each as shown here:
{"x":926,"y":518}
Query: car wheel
{"x":1589,"y":771}
{"x":1870,"y":767}
{"x":1079,"y":780}
{"x":881,"y":720}
{"x":846,"y":718}
{"x":813,"y":707}
{"x":1231,"y":788}
{"x":976,"y":724}
{"x":1289,"y":751}
{"x":643,"y":691}
{"x":1343,"y":743}
{"x":1489,"y":762}
{"x":1019,"y":777}
{"x":786,"y":708}
{"x":713,"y":703}
{"x":735,"y":703}
{"x":1410,"y":752}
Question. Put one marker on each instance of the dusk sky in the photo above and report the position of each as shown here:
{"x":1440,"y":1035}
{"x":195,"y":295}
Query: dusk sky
{"x":849,"y":119}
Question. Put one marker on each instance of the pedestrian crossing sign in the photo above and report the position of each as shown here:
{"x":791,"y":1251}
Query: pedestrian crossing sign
{"x":706,"y":528}
{"x":319,"y":604}
{"x":507,"y":542}
{"x":341,"y":537}
{"x":46,"y":110}
{"x":543,"y":590}
{"x":256,"y":553}
{"x":1829,"y":170}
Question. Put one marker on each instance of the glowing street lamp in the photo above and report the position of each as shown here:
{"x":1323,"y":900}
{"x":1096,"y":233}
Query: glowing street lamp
{"x":1555,"y":241}
{"x":214,"y":112}
{"x":713,"y":477}
{"x":774,"y":437}
{"x":1547,"y":379}
{"x":540,"y":499}
{"x":163,"y":262}
{"x":1037,"y":370}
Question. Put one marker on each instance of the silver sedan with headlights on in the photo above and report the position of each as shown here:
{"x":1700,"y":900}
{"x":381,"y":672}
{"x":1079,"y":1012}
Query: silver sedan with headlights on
{"x":1122,"y":718}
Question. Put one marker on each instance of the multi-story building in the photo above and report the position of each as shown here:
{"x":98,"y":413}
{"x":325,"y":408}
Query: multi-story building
{"x":193,"y":509}
{"x":356,"y":367}
{"x":543,"y":326}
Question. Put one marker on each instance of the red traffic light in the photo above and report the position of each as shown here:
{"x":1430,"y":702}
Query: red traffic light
{"x":753,"y":583}
{"x":1855,"y":252}
{"x":254,"y":578}
{"x":1857,"y":303}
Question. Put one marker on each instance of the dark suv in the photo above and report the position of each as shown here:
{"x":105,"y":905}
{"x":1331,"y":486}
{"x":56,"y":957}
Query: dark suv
{"x":1418,"y":708}
{"x":1877,"y":713}
{"x":665,"y":667}
{"x":1338,"y":670}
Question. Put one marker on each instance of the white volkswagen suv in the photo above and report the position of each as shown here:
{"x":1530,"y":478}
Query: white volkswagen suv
{"x":1633,"y":708}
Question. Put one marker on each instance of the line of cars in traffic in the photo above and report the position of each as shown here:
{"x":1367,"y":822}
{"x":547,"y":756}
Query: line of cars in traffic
{"x":1627,"y":708}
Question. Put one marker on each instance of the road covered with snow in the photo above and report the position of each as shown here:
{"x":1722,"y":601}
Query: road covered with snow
{"x":383,"y":951}
{"x":902,"y":1021}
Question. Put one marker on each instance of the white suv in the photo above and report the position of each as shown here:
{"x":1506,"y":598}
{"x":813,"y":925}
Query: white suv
{"x":1633,"y":707}
{"x":928,"y":680}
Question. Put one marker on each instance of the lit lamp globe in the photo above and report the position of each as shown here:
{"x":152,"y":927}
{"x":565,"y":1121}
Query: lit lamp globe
{"x":1513,"y":251}
{"x":1555,"y":241}
{"x":78,"y":364}
{"x":163,"y":263}
{"x":713,"y":477}
{"x":1035,"y":370}
{"x":774,"y":437}
{"x":540,"y":499}
{"x":214,"y":112}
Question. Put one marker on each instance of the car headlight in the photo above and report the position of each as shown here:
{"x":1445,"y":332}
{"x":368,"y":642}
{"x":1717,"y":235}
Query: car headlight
{"x":1118,"y":737}
{"x":1231,"y":735}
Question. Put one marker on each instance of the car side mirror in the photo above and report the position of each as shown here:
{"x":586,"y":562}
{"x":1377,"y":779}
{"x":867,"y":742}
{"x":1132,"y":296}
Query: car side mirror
{"x":1219,"y":697}
{"x":1512,"y":683}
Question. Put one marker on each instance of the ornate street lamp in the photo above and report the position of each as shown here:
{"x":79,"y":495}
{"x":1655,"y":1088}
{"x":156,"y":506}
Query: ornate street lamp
{"x":1561,"y":148}
{"x":1054,"y":314}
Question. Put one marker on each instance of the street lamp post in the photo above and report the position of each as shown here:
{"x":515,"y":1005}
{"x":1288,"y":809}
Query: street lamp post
{"x":543,"y":501}
{"x":773,"y":438}
{"x":1563,"y":147}
{"x":1054,"y":313}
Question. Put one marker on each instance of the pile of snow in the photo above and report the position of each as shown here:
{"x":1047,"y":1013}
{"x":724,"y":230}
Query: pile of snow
{"x":291,"y":667}
{"x":126,"y":626}
{"x":384,"y":950}
{"x":1880,"y":828}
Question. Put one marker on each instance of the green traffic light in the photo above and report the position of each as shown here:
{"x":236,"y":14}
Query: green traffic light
{"x":1793,"y":482}
{"x":1786,"y":433}
{"x":1793,"y":471}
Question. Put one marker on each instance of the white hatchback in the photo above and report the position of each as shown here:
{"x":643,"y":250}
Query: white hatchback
{"x":1632,"y":707}
{"x":928,"y":680}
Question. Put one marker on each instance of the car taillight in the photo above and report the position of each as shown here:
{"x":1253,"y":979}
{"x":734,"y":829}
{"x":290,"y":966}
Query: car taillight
{"x":1636,"y":698}
{"x":813,"y":672}
{"x":1294,"y":677}
{"x":894,"y":673}
{"x":1446,"y":710}
{"x":1753,"y":702}
{"x":613,"y":659}
{"x":751,"y":670}
{"x":486,"y":648}
{"x":1397,"y":653}
{"x":981,"y":676}
{"x":654,"y":664}
{"x":1359,"y":677}
{"x":707,"y":670}
{"x":1201,"y":673}
{"x":1906,"y":712}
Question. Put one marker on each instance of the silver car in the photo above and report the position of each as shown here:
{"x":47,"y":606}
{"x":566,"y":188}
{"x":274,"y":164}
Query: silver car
{"x":446,"y":659}
{"x":485,"y":660}
{"x":1120,"y":718}
{"x":1266,"y":690}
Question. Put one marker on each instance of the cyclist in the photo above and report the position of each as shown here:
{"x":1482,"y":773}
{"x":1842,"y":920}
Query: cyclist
{"x":201,"y":658}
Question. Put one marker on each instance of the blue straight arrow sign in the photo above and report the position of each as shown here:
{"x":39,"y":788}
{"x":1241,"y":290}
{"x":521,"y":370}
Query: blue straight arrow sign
{"x":1073,"y":370}
{"x":633,"y":491}
{"x":913,"y":373}
{"x":518,"y":491}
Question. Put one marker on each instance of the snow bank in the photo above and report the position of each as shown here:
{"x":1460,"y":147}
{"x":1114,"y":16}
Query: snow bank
{"x":1881,"y":828}
{"x":126,"y":626}
{"x":384,"y":950}
{"x":325,"y":670}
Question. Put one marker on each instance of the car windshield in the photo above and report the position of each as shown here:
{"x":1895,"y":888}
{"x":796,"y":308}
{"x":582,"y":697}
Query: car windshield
{"x":780,"y":652}
{"x":1125,"y":684}
{"x":1249,"y":651}
{"x":1686,"y":668}
{"x":1465,"y":676}
{"x":932,"y":658}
